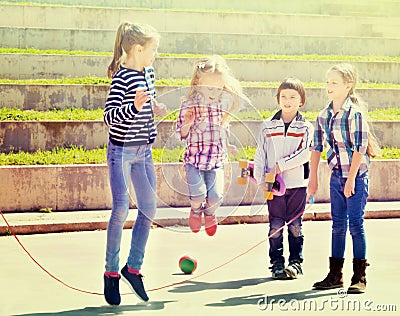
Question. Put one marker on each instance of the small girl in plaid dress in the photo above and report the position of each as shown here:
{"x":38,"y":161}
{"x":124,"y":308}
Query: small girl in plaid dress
{"x":204,"y":122}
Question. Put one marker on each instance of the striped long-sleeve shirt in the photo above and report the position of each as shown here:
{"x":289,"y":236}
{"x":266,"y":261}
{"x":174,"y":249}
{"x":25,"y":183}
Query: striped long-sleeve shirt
{"x":344,"y":132}
{"x":128,"y":126}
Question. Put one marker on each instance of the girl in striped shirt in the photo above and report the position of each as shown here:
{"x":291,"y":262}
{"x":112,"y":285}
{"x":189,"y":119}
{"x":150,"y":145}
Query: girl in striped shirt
{"x":129,"y":113}
{"x":203,"y":123}
{"x":343,"y":126}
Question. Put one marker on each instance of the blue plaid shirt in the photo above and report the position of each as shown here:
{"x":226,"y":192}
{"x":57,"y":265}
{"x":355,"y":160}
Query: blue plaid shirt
{"x":344,"y":132}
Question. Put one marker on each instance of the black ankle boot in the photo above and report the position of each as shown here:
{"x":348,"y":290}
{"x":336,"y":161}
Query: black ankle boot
{"x":334,"y":279}
{"x":358,"y":281}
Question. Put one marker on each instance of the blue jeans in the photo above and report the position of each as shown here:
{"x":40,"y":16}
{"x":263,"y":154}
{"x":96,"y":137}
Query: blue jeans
{"x":126,"y":164}
{"x":282,"y":209}
{"x":348,"y":212}
{"x":205,"y":186}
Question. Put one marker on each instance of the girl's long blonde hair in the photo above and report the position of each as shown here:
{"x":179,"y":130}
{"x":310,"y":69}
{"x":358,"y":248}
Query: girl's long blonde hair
{"x":349,"y":75}
{"x":217,"y":64}
{"x":128,"y":35}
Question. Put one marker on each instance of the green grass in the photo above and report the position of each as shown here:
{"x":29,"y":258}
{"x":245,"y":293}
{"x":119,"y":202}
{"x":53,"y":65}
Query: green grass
{"x":80,"y":155}
{"x":182,"y":82}
{"x":52,"y":115}
{"x":307,"y":57}
{"x":390,"y":153}
{"x":228,"y":56}
{"x":57,"y":156}
{"x":60,"y":81}
{"x":391,"y":114}
{"x":36,"y":51}
{"x":76,"y":114}
{"x":173,"y":82}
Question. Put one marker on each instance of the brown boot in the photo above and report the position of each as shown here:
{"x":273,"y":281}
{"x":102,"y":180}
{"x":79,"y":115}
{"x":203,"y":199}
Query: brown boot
{"x":334,"y":279}
{"x":358,"y":281}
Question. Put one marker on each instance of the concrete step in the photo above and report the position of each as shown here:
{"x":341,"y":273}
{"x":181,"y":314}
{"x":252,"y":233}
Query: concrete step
{"x":86,"y":220}
{"x":204,"y":43}
{"x":44,"y":97}
{"x":97,"y":18}
{"x":33,"y":66}
{"x":329,"y":7}
{"x":46,"y":135}
{"x":86,"y":187}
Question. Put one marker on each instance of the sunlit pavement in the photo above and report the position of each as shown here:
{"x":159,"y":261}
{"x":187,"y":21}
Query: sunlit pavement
{"x":241,"y":287}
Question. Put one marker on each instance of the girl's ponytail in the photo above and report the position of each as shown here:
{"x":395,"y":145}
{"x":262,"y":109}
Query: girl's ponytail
{"x":118,"y":51}
{"x":128,"y":35}
{"x":354,"y":97}
{"x":373,"y":148}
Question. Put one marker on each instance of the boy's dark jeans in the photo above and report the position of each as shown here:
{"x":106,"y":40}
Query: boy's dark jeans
{"x":281,"y":210}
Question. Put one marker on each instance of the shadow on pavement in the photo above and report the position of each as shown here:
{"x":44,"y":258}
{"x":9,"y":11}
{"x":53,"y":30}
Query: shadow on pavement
{"x":105,"y":310}
{"x":265,"y":301}
{"x":193,"y":286}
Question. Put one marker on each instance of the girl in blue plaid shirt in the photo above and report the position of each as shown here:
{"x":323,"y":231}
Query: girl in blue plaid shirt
{"x":203,"y":122}
{"x":343,"y":125}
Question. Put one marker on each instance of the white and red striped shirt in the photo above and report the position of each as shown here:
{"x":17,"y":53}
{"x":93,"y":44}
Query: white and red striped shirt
{"x":290,"y":149}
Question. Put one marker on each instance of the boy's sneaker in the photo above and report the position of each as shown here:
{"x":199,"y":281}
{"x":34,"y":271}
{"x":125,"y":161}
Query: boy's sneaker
{"x":293,"y":270}
{"x":195,"y":221}
{"x":135,"y":283}
{"x":111,"y":290}
{"x":210,"y":222}
{"x":278,"y":271}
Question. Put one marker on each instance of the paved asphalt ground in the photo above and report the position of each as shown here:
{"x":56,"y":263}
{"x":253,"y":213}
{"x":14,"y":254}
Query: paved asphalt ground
{"x":241,"y":287}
